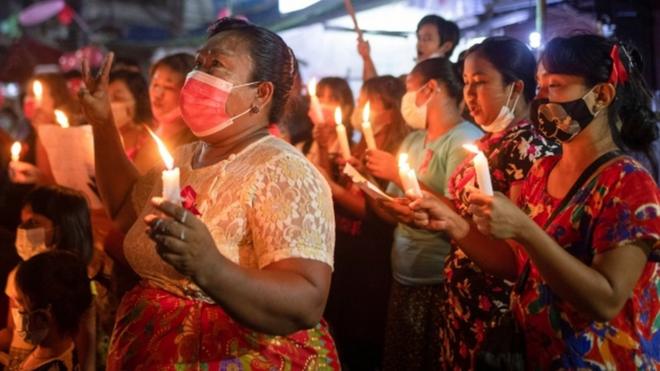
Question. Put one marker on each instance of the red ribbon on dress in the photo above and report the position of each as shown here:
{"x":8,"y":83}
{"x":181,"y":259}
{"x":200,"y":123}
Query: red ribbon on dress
{"x":189,"y":196}
{"x":619,"y":75}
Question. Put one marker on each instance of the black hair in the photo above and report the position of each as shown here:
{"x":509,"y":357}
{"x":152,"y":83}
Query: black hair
{"x":59,"y":91}
{"x":443,"y":71}
{"x":68,"y":210}
{"x":57,"y":279}
{"x":272,"y":59}
{"x":389,"y":90}
{"x":447,"y":30}
{"x":588,"y":56}
{"x":341,"y":92}
{"x":512,"y":59}
{"x":138,"y":87}
{"x":178,"y":62}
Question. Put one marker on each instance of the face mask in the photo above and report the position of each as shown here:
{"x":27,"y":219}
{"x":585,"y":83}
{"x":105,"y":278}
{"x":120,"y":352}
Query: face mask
{"x":30,"y":242}
{"x":505,"y":116}
{"x":121,"y":113}
{"x":563,"y":121}
{"x":29,"y":107}
{"x":34,"y":326}
{"x":203,"y":102}
{"x":414,"y":115}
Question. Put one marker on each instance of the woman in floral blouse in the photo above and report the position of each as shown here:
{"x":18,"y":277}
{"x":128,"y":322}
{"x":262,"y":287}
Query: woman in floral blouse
{"x":498,"y":73}
{"x":588,"y":277}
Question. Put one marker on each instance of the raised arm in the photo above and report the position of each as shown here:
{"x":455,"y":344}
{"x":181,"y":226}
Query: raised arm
{"x":369,"y":68}
{"x":115,"y":174}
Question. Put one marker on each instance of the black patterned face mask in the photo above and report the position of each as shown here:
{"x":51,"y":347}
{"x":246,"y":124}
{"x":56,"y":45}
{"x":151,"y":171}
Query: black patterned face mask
{"x":563,"y":121}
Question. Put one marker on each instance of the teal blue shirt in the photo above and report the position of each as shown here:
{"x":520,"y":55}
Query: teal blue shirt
{"x":418,"y":255}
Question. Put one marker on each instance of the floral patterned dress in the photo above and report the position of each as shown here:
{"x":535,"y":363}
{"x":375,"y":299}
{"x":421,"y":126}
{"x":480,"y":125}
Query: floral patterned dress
{"x":620,"y":204}
{"x":262,"y":205}
{"x":476,"y":300}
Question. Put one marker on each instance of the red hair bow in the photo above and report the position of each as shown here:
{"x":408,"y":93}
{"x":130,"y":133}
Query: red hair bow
{"x":619,"y":75}
{"x":189,"y":196}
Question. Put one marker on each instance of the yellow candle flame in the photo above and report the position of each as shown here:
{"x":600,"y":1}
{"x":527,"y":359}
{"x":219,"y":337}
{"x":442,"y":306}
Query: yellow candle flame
{"x":61,"y":118}
{"x":403,"y":161}
{"x":16,"y":151}
{"x":365,"y":113}
{"x":311,"y":87}
{"x":164,"y":153}
{"x":338,"y":116}
{"x":37,"y":89}
{"x":472,"y":148}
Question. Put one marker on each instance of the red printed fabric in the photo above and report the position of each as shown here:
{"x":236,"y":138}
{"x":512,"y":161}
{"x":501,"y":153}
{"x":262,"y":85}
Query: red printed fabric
{"x":621,"y":203}
{"x":477,"y":300}
{"x":156,"y":330}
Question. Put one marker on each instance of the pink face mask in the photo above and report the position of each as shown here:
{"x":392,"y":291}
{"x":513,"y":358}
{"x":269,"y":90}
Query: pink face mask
{"x":203,"y":102}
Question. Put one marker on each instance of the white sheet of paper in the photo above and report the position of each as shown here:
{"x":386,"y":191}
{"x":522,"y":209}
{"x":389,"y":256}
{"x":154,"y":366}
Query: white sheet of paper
{"x":71,"y":157}
{"x":369,"y":188}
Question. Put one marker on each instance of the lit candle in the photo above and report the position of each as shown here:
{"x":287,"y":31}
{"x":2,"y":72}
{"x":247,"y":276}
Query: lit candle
{"x":171,"y":187}
{"x":16,"y":151}
{"x":314,"y":103}
{"x":408,"y":177}
{"x":341,"y":135}
{"x":38,"y":91}
{"x":61,"y":118}
{"x":366,"y":128}
{"x":481,"y":169}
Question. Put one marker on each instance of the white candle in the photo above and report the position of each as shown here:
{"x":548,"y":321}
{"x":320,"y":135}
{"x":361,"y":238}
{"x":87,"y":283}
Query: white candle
{"x":61,"y":118}
{"x":408,"y":177}
{"x":341,"y":135}
{"x":366,"y":128}
{"x":481,"y":169}
{"x":16,"y":151}
{"x":314,"y":103}
{"x":170,"y":176}
{"x":38,"y":91}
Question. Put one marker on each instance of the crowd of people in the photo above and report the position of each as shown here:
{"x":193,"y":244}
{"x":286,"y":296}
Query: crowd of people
{"x":275,"y":257}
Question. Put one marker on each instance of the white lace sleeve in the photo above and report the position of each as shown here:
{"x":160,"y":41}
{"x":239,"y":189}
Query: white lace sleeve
{"x":291,"y":213}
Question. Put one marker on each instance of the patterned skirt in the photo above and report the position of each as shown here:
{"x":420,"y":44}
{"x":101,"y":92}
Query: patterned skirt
{"x":413,"y":324}
{"x":156,"y":330}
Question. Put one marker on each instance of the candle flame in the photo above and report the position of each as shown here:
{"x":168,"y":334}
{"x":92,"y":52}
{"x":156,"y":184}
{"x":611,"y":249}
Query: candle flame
{"x":472,"y":148}
{"x":338,"y":116}
{"x":61,"y":118}
{"x":365,"y":113}
{"x":311,"y":87}
{"x":16,"y":151}
{"x":37,"y":89}
{"x":403,"y":161}
{"x":164,"y":153}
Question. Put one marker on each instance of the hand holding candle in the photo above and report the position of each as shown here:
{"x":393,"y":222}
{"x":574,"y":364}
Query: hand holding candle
{"x":366,"y":128}
{"x":481,"y":169}
{"x":171,"y":186}
{"x":341,"y":135}
{"x":316,"y":112}
{"x":408,"y":177}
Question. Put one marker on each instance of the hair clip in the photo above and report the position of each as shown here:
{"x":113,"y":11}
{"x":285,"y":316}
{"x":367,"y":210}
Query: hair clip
{"x":619,"y":75}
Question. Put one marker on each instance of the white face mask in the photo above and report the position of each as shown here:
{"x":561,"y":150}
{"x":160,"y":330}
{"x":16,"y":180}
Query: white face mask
{"x":505,"y":116}
{"x":30,"y":242}
{"x":414,"y":115}
{"x":121,"y":113}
